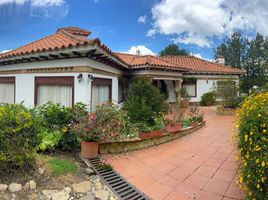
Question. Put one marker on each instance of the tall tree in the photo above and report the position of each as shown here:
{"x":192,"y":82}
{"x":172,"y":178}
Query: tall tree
{"x":251,"y":56}
{"x":173,"y":50}
{"x":233,"y":50}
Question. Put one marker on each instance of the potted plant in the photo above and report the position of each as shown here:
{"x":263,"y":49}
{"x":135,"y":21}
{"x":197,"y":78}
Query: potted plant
{"x":196,"y":116}
{"x":172,"y":126}
{"x":88,"y":135}
{"x":152,"y":130}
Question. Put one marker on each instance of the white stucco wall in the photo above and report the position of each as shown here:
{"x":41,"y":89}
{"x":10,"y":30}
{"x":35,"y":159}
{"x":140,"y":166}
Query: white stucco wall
{"x":25,"y":83}
{"x":206,"y":83}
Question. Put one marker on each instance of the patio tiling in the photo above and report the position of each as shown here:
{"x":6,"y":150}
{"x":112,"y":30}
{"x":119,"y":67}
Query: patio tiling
{"x":198,"y":166}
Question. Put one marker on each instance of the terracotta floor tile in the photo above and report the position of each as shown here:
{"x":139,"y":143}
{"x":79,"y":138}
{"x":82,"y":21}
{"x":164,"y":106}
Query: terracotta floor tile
{"x":197,"y":180}
{"x":225,"y":175}
{"x":187,"y":190}
{"x":142,"y":181}
{"x":206,"y":171}
{"x":207,"y":196}
{"x":158,"y":191}
{"x":234,"y":191}
{"x":216,"y":186}
{"x":169,"y":181}
{"x":212,"y":162}
{"x":177,"y":196}
{"x":180,"y":174}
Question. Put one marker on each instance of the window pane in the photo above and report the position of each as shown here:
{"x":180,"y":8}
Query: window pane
{"x":56,"y":94}
{"x":7,"y":93}
{"x":100,"y":95}
{"x":190,"y":88}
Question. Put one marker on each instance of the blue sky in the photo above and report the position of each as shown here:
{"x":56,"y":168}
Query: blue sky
{"x":125,"y":25}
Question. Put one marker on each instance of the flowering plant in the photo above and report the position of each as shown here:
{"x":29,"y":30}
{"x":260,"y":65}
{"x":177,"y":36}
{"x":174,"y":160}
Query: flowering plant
{"x":195,"y":114}
{"x":85,"y":128}
{"x":252,"y":145}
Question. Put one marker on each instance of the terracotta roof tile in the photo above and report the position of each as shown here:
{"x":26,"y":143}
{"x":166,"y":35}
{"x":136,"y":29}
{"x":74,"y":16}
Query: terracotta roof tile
{"x":197,"y":65}
{"x":151,"y":61}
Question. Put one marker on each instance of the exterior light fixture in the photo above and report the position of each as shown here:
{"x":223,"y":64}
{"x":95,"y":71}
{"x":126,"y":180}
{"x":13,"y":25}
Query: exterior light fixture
{"x":90,"y":77}
{"x":80,"y":77}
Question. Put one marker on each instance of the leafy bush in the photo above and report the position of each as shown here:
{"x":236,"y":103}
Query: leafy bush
{"x":252,"y":144}
{"x":107,"y":123}
{"x":208,"y":98}
{"x":19,"y":129}
{"x":186,"y":122}
{"x":144,"y":102}
{"x":49,"y":140}
{"x":227,"y":92}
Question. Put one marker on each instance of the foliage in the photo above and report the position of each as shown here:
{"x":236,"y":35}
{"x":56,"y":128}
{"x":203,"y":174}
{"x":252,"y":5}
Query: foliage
{"x":49,"y":140}
{"x":208,"y":99}
{"x":55,"y":116}
{"x":186,"y":122}
{"x":144,"y":103}
{"x":195,"y":114}
{"x":184,"y":94}
{"x":19,"y":129}
{"x":227,"y":92}
{"x":252,"y":144}
{"x":61,"y":166}
{"x":250,"y":55}
{"x":105,"y":166}
{"x":173,"y":50}
{"x":107,"y":123}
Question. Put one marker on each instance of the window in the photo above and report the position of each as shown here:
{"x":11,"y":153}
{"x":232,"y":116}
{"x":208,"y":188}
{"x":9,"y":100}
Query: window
{"x":54,"y":89}
{"x":7,"y":90}
{"x":101,"y":91}
{"x":190,"y":87}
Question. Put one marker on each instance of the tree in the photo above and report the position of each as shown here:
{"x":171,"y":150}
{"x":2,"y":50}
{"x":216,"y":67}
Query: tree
{"x":173,"y":50}
{"x":251,"y":56}
{"x":233,"y":50}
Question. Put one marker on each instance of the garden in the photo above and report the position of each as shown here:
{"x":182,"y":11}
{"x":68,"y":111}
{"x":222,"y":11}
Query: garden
{"x":39,"y":146}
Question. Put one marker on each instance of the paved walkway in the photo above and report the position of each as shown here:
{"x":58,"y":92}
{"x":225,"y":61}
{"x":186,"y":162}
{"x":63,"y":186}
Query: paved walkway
{"x":198,"y":166}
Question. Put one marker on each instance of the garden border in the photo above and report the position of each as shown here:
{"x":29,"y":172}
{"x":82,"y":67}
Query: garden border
{"x":137,"y":144}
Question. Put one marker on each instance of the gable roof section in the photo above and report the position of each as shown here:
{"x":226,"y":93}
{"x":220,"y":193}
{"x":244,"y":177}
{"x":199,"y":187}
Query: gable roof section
{"x":148,"y":61}
{"x":200,"y":66}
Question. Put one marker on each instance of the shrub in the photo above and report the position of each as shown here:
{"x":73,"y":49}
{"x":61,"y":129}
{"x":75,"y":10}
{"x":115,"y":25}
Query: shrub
{"x":252,"y":144}
{"x":144,"y":102}
{"x":19,"y":129}
{"x":108,"y":123}
{"x":208,"y":98}
{"x":227,"y":92}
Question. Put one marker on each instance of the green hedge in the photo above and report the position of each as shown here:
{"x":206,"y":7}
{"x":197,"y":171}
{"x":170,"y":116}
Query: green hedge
{"x":252,"y":144}
{"x":208,"y":98}
{"x":19,"y":129}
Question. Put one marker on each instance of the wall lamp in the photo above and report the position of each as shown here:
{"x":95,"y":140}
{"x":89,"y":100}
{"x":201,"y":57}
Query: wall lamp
{"x":80,"y":77}
{"x":90,"y":77}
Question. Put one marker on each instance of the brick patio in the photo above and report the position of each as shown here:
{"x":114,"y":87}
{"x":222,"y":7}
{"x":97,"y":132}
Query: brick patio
{"x":200,"y":165}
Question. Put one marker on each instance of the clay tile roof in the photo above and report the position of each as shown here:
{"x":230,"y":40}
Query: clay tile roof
{"x":63,"y":38}
{"x":197,"y":65}
{"x":136,"y":62}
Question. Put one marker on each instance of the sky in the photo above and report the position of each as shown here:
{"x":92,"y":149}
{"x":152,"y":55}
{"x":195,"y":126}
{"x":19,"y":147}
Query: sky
{"x":127,"y":25}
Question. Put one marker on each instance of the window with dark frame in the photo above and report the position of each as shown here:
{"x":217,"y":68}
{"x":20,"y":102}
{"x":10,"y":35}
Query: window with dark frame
{"x":54,"y":89}
{"x":101,"y":91}
{"x":190,"y":87}
{"x":7,"y":90}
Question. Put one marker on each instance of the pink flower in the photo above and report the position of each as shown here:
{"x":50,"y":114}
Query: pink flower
{"x":91,"y":116}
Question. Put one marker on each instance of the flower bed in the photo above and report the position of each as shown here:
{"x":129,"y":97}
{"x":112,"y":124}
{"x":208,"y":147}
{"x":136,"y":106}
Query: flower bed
{"x":252,"y":146}
{"x":137,"y":143}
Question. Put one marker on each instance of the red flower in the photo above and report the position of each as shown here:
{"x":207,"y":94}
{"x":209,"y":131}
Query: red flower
{"x":91,"y":116}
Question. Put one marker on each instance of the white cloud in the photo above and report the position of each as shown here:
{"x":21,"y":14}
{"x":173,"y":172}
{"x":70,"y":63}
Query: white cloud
{"x":197,"y":21}
{"x":143,"y":50}
{"x":5,"y":51}
{"x":35,"y":2}
{"x":142,"y":19}
{"x":47,"y":2}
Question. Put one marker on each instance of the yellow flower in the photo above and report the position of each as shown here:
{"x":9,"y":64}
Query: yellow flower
{"x":257,"y":161}
{"x":263,"y":164}
{"x":241,"y":180}
{"x":258,"y":185}
{"x":264,"y":130}
{"x":259,"y":115}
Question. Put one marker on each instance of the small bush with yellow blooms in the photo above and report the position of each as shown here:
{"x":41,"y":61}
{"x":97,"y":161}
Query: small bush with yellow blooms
{"x":252,"y":144}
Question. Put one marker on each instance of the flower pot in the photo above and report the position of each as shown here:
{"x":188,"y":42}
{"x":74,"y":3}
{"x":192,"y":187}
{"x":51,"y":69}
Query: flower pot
{"x":184,"y":103}
{"x":173,"y":128}
{"x":89,"y":149}
{"x":194,"y":124}
{"x":151,"y":134}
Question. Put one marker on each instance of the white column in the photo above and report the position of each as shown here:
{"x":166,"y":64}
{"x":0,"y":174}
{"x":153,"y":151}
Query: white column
{"x":115,"y":90}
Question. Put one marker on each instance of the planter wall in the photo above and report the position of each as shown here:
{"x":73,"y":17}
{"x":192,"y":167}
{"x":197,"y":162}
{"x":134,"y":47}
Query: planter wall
{"x":151,"y":134}
{"x":126,"y":146}
{"x":173,"y":128}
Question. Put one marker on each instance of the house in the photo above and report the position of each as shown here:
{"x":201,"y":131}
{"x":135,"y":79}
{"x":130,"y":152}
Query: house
{"x":68,"y":67}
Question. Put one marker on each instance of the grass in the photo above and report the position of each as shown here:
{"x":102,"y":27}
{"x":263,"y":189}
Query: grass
{"x":57,"y":165}
{"x":61,"y":166}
